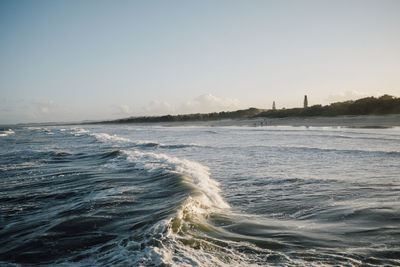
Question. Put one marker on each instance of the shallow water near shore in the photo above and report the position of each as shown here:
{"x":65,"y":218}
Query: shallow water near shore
{"x":136,"y":195}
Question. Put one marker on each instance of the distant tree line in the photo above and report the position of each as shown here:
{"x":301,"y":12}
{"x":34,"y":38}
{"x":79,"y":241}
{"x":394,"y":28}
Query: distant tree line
{"x":239,"y":114}
{"x":383,"y":105}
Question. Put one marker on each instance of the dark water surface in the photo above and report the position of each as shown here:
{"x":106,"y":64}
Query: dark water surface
{"x":199,"y":196}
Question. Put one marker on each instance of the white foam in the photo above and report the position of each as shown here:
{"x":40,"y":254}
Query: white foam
{"x":7,"y":132}
{"x":21,"y":166}
{"x":172,"y":232}
{"x":104,"y":137}
{"x":193,"y":173}
{"x":32,"y":128}
{"x":79,"y":131}
{"x":169,"y":233}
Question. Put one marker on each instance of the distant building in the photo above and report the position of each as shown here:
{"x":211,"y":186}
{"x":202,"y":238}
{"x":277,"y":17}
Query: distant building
{"x":273,"y":106}
{"x":305,"y":102}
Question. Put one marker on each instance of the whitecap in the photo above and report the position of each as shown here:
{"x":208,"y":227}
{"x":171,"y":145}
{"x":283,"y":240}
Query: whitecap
{"x":193,"y":174}
{"x":79,"y":131}
{"x":104,"y":137}
{"x":7,"y":132}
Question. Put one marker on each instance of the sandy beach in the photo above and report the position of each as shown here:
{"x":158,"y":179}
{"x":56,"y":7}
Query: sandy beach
{"x":386,"y":121}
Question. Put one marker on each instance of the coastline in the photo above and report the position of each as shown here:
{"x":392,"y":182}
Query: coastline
{"x":363,"y":121}
{"x":348,"y":121}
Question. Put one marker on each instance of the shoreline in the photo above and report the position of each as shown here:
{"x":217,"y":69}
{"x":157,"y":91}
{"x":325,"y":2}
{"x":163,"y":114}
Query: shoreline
{"x":359,"y":121}
{"x":348,"y":121}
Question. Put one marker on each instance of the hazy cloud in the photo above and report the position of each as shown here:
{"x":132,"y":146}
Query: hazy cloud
{"x":122,"y":109}
{"x":47,"y":111}
{"x":347,"y":95}
{"x":45,"y":107}
{"x":210,"y":103}
{"x":156,"y":107}
{"x":201,"y":104}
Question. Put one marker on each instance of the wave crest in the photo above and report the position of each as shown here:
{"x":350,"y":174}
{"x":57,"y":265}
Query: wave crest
{"x":7,"y":132}
{"x":104,"y":137}
{"x":194,"y":174}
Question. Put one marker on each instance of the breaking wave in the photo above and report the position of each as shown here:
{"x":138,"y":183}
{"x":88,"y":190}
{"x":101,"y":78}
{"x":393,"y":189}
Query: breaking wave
{"x":84,"y":197}
{"x":6,"y":132}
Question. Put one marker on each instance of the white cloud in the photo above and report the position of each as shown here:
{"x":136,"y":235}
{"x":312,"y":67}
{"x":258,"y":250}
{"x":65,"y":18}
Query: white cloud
{"x":122,"y":109}
{"x":156,"y":107}
{"x":201,"y":104}
{"x":43,"y":109}
{"x":348,"y":95}
{"x":49,"y":111}
{"x":210,"y":103}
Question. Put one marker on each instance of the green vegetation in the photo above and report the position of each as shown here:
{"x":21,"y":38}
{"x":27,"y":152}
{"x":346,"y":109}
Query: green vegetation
{"x":239,"y":114}
{"x":383,"y":105}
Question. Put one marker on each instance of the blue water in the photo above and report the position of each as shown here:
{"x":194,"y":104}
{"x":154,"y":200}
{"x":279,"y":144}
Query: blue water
{"x":133,"y":195}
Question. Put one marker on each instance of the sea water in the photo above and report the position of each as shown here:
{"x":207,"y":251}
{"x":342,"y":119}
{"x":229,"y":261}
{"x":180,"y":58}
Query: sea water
{"x":137,"y":195}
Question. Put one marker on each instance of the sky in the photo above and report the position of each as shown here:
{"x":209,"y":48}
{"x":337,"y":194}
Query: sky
{"x":93,"y":60}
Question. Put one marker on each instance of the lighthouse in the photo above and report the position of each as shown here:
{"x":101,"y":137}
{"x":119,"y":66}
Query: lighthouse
{"x":305,"y":102}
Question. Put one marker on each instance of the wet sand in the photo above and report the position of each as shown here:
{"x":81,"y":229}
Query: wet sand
{"x":386,"y":121}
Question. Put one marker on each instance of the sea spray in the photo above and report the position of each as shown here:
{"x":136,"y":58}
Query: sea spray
{"x":108,"y":137}
{"x":192,"y":173}
{"x":6,"y":133}
{"x":175,"y":239}
{"x":96,"y":195}
{"x":178,"y":236}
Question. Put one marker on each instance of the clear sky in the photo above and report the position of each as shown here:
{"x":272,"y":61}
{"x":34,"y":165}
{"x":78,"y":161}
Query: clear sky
{"x":78,"y":60}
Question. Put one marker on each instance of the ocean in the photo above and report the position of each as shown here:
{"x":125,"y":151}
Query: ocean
{"x":150,"y":195}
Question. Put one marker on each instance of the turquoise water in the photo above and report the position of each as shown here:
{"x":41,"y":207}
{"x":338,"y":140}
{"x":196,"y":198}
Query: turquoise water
{"x":134,"y":195}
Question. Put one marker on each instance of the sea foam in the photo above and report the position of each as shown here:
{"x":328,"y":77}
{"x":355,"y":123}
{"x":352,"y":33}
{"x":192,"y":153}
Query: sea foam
{"x":193,"y":173}
{"x":7,"y":132}
{"x":172,"y":233}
